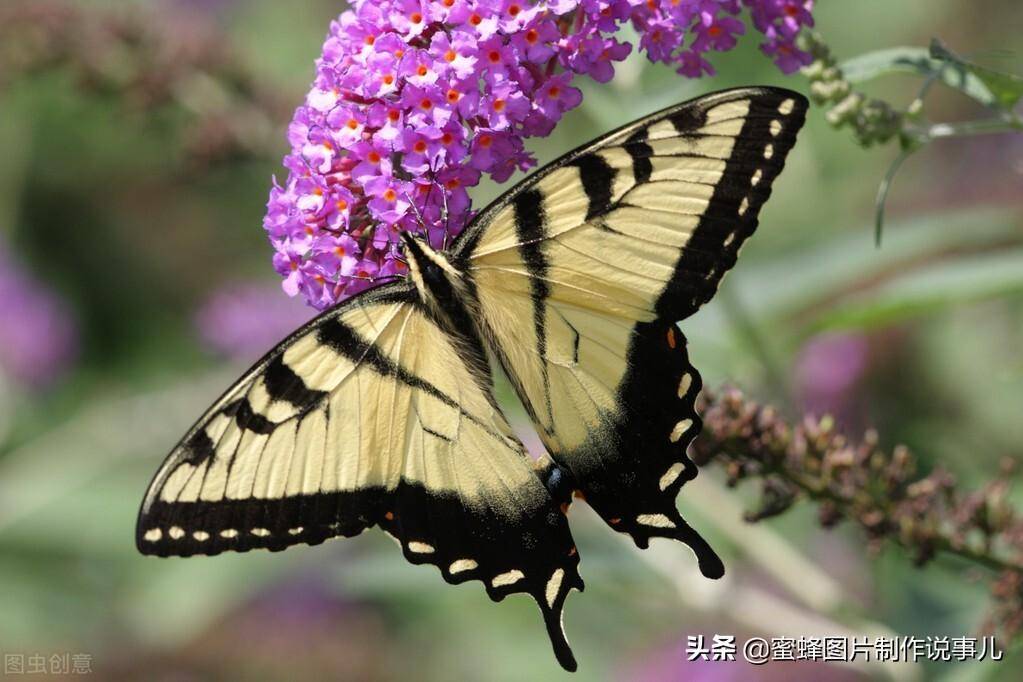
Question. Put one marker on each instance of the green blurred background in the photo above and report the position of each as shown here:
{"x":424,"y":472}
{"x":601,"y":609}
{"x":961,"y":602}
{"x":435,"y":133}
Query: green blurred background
{"x":137,"y":283}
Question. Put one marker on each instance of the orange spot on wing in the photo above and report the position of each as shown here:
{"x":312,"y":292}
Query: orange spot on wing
{"x":615,"y":521}
{"x":571,"y":552}
{"x":671,"y":337}
{"x":564,"y":507}
{"x":389,"y":516}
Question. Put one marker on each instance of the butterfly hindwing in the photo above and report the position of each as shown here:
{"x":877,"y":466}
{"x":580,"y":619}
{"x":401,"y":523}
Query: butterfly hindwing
{"x":602,"y":253}
{"x":369,"y":415}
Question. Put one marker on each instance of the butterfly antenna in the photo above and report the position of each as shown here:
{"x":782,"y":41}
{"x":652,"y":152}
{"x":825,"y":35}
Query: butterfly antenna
{"x":445,"y":216}
{"x":419,"y":214}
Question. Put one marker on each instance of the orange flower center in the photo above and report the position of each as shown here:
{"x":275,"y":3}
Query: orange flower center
{"x":352,"y":124}
{"x":486,"y":140}
{"x":454,"y":96}
{"x":416,"y":18}
{"x":318,"y":192}
{"x":513,"y":11}
{"x":714,"y":31}
{"x":340,"y":251}
{"x":393,"y":115}
{"x":419,"y":147}
{"x":554,"y":91}
{"x":422,"y":70}
{"x":494,"y":56}
{"x":450,"y":56}
{"x":370,"y":40}
{"x":373,"y":157}
{"x":426,"y":104}
{"x":498,"y":105}
{"x":532,"y":36}
{"x":475,"y":19}
{"x":452,"y":183}
{"x":447,"y":138}
{"x":342,"y":204}
{"x":390,"y":195}
{"x":388,"y":79}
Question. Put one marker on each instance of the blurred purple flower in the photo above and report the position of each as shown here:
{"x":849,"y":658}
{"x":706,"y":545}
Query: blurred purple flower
{"x":415,"y":101}
{"x":242,"y":320}
{"x":828,"y":369}
{"x":38,"y":337}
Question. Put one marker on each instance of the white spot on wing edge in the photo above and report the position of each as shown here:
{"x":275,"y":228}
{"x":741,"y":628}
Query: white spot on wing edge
{"x":655,"y":520}
{"x":153,"y":535}
{"x":462,"y":565}
{"x":201,"y":535}
{"x":554,"y":586}
{"x":680,"y":429}
{"x":509,"y":578}
{"x":260,"y":532}
{"x":775,"y":128}
{"x":769,"y":151}
{"x":755,"y":180}
{"x":685,"y":383}
{"x":786,"y":107}
{"x":295,"y":531}
{"x":229,"y":533}
{"x":420,"y":547}
{"x":744,"y":206}
{"x":176,"y":532}
{"x":671,"y":474}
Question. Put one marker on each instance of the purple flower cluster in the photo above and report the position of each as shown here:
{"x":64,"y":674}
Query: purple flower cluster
{"x":664,"y":27}
{"x":415,"y":100}
{"x":38,"y":338}
{"x":243,"y":319}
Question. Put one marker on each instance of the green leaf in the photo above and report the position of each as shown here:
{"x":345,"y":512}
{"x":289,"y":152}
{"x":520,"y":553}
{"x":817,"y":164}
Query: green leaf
{"x":942,"y":285}
{"x":1006,"y":88}
{"x":918,"y":61}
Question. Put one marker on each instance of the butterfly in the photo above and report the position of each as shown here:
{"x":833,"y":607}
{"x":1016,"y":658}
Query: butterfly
{"x":381,"y":412}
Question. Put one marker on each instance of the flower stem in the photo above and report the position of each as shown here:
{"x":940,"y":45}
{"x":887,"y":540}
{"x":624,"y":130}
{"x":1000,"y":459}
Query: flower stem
{"x":1009,"y":124}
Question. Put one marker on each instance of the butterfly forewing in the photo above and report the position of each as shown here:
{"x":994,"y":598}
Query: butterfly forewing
{"x":603,"y":252}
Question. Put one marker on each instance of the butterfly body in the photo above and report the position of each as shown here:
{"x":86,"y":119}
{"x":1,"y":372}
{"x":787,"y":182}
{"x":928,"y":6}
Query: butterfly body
{"x":380,"y":412}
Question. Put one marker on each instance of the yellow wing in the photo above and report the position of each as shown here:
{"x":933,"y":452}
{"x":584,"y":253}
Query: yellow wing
{"x":582,"y":272}
{"x":369,"y":415}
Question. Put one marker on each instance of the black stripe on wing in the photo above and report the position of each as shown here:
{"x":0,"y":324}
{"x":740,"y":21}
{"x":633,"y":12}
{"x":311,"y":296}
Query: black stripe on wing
{"x":768,"y":134}
{"x":531,"y":231}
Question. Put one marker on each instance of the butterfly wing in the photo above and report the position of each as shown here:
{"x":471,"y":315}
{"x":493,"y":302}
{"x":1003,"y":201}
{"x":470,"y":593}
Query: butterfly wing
{"x":582,"y":272}
{"x":369,"y":415}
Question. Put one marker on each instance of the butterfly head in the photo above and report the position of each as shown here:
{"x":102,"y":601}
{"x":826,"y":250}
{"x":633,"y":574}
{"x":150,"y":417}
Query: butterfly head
{"x":433,"y":274}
